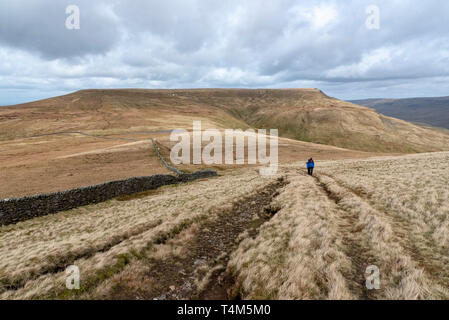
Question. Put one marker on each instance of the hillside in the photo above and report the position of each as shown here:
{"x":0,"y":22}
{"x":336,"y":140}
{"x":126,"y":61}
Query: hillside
{"x":302,"y":114}
{"x":92,"y":136}
{"x":431,"y":111}
{"x":242,"y":235}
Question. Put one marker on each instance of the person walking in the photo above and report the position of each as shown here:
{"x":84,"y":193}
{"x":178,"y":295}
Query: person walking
{"x":310,"y":166}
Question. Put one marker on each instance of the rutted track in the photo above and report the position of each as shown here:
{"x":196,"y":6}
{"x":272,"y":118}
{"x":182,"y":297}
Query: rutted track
{"x":354,"y":246}
{"x":136,"y":244}
{"x":208,"y":253}
{"x":398,"y":234}
{"x":429,"y":260}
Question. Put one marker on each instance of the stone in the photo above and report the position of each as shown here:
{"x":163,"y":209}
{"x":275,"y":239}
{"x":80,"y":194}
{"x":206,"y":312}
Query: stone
{"x":20,"y":209}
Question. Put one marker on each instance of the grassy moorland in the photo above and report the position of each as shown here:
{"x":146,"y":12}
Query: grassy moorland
{"x":92,"y":136}
{"x":388,"y":212}
{"x":240,"y":235}
{"x":289,"y":236}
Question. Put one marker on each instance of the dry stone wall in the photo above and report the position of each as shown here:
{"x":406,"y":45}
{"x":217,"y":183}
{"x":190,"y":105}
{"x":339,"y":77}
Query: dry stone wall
{"x":20,"y":209}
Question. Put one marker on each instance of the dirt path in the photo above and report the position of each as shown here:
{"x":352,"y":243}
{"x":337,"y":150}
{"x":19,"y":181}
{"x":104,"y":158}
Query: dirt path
{"x":100,"y":137}
{"x":201,"y":273}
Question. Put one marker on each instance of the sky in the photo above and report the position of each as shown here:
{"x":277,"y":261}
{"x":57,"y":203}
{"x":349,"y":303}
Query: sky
{"x":351,"y":49}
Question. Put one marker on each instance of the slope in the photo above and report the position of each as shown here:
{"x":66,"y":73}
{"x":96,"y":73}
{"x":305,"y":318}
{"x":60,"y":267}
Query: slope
{"x":302,"y":114}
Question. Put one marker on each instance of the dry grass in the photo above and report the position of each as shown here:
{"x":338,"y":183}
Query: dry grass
{"x":93,"y":237}
{"x":52,"y":163}
{"x":388,"y":212}
{"x":392,"y":212}
{"x":411,"y":188}
{"x":296,"y":255}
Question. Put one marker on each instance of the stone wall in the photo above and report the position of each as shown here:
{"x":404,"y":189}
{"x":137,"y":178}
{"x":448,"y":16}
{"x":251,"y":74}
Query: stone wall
{"x":165,"y":163}
{"x":20,"y":209}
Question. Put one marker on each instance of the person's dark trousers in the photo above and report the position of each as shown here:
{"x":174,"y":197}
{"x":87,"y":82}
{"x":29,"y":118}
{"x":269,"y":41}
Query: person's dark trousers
{"x":310,"y":171}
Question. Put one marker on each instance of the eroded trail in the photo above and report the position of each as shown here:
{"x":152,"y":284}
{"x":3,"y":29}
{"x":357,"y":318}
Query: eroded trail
{"x":322,"y":241}
{"x":420,"y":248}
{"x":381,"y":239}
{"x":354,"y":245}
{"x":200,"y":272}
{"x":107,"y":240}
{"x":245,"y":236}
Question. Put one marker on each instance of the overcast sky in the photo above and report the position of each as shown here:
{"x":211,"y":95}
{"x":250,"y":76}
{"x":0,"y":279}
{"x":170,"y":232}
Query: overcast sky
{"x":212,"y":43}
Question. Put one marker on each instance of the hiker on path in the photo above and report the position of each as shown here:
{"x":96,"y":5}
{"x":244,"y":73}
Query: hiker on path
{"x":310,"y":166}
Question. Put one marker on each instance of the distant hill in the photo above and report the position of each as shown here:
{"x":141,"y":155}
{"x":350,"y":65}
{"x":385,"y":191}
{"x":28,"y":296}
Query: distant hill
{"x":302,"y":114}
{"x":431,"y":111}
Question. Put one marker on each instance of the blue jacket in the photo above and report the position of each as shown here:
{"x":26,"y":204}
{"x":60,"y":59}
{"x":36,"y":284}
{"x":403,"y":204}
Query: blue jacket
{"x":310,"y":164}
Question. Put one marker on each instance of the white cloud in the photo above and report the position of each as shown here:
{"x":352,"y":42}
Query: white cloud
{"x":378,"y":58}
{"x":324,"y":15}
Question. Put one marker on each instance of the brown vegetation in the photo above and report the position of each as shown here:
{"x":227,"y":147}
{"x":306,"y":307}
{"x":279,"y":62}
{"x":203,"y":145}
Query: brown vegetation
{"x":288,"y":236}
{"x":103,"y":135}
{"x":318,"y":235}
{"x":387,"y":212}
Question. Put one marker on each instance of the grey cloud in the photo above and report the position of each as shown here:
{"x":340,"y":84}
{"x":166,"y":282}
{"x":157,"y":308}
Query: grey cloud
{"x":201,"y":43}
{"x":39,"y":27}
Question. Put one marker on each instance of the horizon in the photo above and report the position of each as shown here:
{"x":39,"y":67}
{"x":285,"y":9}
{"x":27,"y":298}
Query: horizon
{"x":224,"y":88}
{"x":349,"y":50}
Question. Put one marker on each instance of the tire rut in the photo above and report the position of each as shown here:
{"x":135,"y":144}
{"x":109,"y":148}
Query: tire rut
{"x":354,"y":247}
{"x":426,"y":260}
{"x":208,"y":253}
{"x":61,"y":263}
